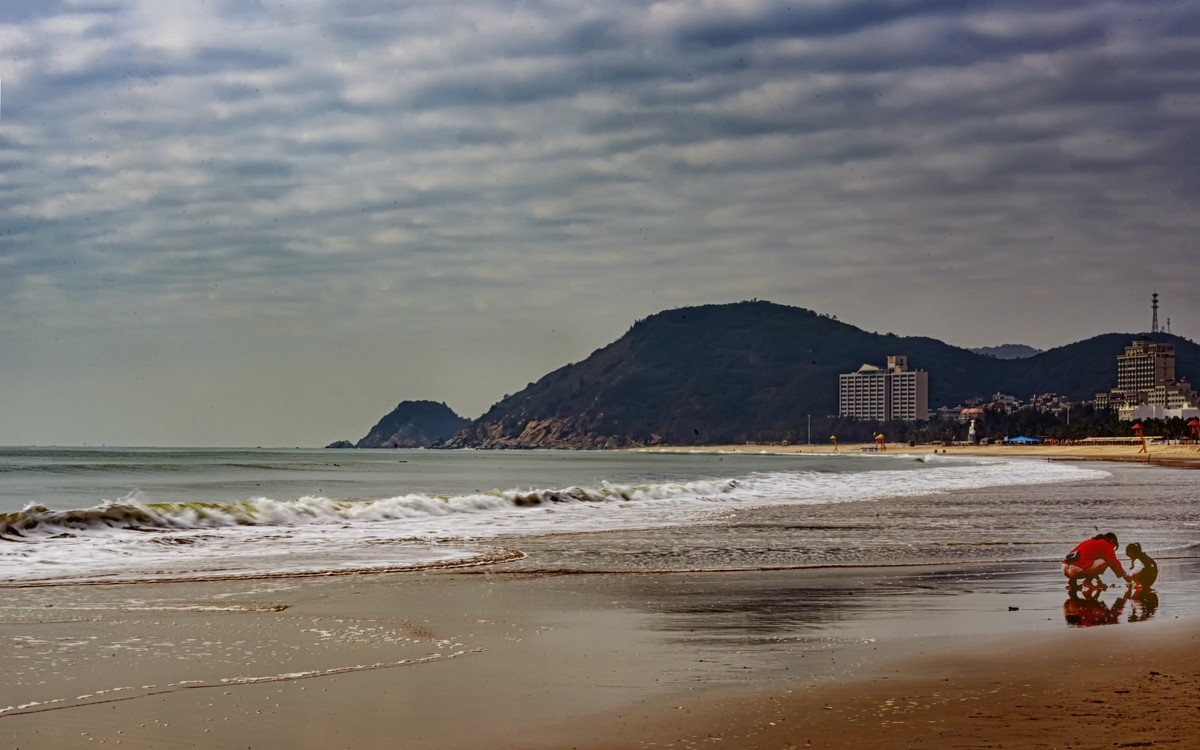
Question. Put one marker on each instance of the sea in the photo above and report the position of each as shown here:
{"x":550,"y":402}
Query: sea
{"x":145,"y":572}
{"x":71,"y":516}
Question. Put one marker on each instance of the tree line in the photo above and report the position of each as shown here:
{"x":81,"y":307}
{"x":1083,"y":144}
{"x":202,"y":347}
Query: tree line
{"x":1080,"y":422}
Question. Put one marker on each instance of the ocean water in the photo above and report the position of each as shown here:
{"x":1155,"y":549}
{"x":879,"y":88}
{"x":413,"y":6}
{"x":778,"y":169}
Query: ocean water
{"x":97,"y":515}
{"x":242,"y":568}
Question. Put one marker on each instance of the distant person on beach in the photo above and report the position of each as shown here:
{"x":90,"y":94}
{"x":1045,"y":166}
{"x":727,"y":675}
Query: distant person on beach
{"x":1143,"y":571}
{"x":1091,"y":557}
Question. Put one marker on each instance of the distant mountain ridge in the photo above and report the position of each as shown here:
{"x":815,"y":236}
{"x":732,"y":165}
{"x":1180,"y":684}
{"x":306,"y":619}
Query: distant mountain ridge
{"x":759,"y":371}
{"x":1007,"y":351}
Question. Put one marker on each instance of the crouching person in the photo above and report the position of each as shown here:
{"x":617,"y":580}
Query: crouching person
{"x":1083,"y":565}
{"x":1143,"y":570}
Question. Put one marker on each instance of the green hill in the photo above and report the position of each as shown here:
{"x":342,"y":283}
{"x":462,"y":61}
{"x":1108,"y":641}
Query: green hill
{"x":757,"y":371}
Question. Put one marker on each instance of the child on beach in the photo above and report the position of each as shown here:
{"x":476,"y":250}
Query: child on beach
{"x":1143,"y":571}
{"x":1091,"y":557}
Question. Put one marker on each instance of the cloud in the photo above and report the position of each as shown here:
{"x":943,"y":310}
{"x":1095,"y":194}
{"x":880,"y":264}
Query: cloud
{"x":419,"y":187}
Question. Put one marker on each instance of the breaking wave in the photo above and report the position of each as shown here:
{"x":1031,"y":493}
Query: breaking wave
{"x":129,"y":514}
{"x":140,"y":537}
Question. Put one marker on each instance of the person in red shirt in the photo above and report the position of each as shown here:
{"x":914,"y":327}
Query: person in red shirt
{"x":1091,"y":557}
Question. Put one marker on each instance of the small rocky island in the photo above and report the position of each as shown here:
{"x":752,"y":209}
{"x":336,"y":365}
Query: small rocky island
{"x":412,"y":424}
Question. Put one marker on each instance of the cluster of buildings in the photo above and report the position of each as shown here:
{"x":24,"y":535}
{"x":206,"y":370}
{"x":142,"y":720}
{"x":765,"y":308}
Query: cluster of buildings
{"x":1051,"y":403}
{"x":1147,"y":387}
{"x":894,"y":393}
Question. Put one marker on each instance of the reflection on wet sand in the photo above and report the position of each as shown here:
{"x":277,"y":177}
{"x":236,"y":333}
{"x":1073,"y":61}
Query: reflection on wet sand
{"x":1083,"y":610}
{"x":1142,"y":605}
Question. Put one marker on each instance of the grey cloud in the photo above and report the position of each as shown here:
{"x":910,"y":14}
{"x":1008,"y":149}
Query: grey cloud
{"x":216,"y":59}
{"x":256,"y":168}
{"x":235,"y":92}
{"x":496,"y":89}
{"x":477,"y":136}
{"x":24,"y":11}
{"x":796,"y":20}
{"x":360,"y":31}
{"x":336,"y":166}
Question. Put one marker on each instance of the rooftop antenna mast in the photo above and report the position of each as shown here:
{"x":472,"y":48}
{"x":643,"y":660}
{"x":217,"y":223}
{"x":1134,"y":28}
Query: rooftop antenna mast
{"x":1154,"y":304}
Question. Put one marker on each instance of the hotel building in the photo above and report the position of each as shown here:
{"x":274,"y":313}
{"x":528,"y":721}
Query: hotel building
{"x":892,"y":393}
{"x":1146,"y":385}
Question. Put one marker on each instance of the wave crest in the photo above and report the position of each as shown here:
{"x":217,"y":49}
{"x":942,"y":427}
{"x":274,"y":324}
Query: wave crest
{"x":130,"y":514}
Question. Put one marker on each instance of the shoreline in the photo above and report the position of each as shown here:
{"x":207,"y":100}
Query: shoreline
{"x":570,"y":648}
{"x":1174,"y":455}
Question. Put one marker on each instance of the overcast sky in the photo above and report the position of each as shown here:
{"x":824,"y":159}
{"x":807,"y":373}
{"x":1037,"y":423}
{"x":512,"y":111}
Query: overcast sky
{"x":233,"y":222}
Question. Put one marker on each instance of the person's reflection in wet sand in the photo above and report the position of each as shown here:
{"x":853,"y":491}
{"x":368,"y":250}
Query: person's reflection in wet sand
{"x":1082,"y":610}
{"x":1142,"y":605}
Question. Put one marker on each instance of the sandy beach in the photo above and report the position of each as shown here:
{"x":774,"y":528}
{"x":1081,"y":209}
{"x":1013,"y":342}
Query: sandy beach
{"x":1180,"y":455}
{"x":1105,"y":688}
{"x":450,"y":660}
{"x":526,"y":655}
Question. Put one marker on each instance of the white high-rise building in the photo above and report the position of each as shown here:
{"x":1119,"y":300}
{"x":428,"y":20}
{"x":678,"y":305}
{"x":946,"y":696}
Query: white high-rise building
{"x":1146,"y":385}
{"x":892,"y":393}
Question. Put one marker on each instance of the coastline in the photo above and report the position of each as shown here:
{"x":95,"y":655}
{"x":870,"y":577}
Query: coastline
{"x":1184,"y":456}
{"x":533,"y":656}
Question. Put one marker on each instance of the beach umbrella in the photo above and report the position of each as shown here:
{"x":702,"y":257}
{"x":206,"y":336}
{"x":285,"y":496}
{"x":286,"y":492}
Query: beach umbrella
{"x":1137,"y":428}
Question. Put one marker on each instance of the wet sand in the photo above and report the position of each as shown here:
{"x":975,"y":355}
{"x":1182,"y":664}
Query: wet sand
{"x":1101,"y":689}
{"x":520,"y":660}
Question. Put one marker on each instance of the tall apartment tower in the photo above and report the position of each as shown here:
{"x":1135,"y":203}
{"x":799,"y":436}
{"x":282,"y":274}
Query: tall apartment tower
{"x":1145,"y":365}
{"x":885,"y":394}
{"x":1146,"y":385}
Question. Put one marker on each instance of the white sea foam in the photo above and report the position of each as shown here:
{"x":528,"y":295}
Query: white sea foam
{"x":136,"y":540}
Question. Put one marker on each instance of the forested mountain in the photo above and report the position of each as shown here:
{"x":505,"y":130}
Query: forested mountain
{"x":758,"y":371}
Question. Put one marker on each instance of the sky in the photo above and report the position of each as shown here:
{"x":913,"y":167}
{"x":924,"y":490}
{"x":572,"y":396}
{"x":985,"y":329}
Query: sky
{"x":244,"y":222}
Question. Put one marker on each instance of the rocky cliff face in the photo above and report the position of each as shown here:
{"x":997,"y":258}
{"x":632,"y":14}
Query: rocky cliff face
{"x":548,"y":432}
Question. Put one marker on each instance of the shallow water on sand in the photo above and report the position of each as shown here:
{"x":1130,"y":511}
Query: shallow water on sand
{"x":1032,"y":523}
